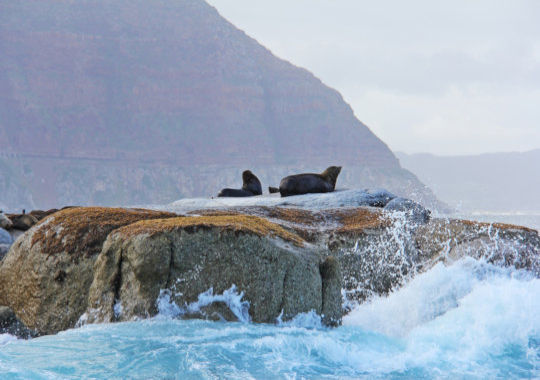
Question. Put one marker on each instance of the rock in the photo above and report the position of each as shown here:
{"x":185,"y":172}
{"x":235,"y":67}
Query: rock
{"x":40,"y":214}
{"x":378,"y":197}
{"x":413,"y":211}
{"x":331,"y":291}
{"x":5,"y":222}
{"x":68,"y":241}
{"x":239,"y":263}
{"x":22,"y":222}
{"x":10,"y":324}
{"x":4,"y":249}
{"x":501,"y":244}
{"x":189,"y":256}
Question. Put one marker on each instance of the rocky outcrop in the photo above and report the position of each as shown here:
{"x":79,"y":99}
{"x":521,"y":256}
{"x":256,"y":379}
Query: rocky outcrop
{"x":257,"y":263}
{"x":46,"y":275}
{"x":5,"y":222}
{"x":448,"y":240}
{"x":22,"y":222}
{"x":191,"y":255}
{"x":411,"y":210}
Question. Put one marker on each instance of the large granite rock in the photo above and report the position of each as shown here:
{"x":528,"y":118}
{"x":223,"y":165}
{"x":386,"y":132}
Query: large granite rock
{"x":411,"y":210}
{"x":257,"y":263}
{"x":190,"y":255}
{"x":5,"y":222}
{"x":46,"y":275}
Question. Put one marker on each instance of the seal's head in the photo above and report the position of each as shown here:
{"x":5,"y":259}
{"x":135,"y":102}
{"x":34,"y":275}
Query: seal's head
{"x":247,"y":175}
{"x":251,"y":182}
{"x":331,"y":174}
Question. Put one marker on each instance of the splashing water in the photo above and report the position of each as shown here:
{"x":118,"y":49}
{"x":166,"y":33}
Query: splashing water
{"x":467,"y":320}
{"x":230,"y":297}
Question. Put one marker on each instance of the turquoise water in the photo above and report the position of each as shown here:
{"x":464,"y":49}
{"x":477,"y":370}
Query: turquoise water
{"x":467,"y":320}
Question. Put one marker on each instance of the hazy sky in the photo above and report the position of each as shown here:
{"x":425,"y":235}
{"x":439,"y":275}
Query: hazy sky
{"x":453,"y":77}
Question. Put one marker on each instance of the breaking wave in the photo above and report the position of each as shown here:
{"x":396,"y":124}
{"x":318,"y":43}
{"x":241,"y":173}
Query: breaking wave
{"x":467,"y":320}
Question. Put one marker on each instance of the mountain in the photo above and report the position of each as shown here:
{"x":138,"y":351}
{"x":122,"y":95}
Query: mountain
{"x":496,"y":182}
{"x":122,"y":102}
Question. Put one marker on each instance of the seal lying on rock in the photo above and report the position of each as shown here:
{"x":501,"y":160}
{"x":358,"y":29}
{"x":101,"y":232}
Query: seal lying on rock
{"x":251,"y":186}
{"x":308,"y":183}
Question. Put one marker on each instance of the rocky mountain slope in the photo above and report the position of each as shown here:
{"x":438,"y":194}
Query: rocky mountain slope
{"x":148,"y":101}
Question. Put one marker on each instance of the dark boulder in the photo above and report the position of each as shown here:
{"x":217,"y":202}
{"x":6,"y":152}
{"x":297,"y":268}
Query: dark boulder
{"x":22,"y":222}
{"x":10,"y":324}
{"x":412,"y":210}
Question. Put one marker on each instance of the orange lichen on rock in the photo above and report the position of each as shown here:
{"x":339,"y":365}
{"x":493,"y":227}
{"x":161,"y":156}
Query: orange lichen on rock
{"x":359,"y":219}
{"x":294,"y":215}
{"x":216,"y":212}
{"x":285,"y":214}
{"x":501,"y":226}
{"x":304,"y":222}
{"x":82,"y":230}
{"x":236,"y":223}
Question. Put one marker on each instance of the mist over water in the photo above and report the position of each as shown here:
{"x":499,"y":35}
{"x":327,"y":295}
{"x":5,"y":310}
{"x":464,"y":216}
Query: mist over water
{"x":467,"y":320}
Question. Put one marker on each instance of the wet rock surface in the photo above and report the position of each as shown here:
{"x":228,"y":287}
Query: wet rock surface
{"x":10,"y":324}
{"x":45,"y":276}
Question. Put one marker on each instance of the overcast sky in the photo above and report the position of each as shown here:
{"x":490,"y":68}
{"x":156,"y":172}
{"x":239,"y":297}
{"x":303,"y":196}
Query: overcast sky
{"x":453,"y":77}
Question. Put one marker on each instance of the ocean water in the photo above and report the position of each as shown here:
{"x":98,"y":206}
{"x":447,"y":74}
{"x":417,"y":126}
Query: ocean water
{"x":469,"y":320}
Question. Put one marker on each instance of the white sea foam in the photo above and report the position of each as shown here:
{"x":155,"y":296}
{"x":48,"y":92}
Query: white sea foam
{"x":229,"y":297}
{"x":7,"y":338}
{"x":309,"y":320}
{"x":468,"y":313}
{"x":443,"y":289}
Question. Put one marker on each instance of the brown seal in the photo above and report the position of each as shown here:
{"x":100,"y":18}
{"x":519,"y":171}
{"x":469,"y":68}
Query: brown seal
{"x":310,"y":182}
{"x":251,"y":186}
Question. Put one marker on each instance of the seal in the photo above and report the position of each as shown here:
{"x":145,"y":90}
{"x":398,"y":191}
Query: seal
{"x":310,"y":182}
{"x":234,"y":193}
{"x":251,"y":183}
{"x":251,"y":186}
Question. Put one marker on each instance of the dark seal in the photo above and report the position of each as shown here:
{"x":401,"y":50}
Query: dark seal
{"x":251,"y":186}
{"x":310,"y":182}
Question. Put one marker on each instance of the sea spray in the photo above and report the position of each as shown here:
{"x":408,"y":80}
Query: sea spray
{"x":230,"y":297}
{"x":376,"y":265}
{"x":379,"y":263}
